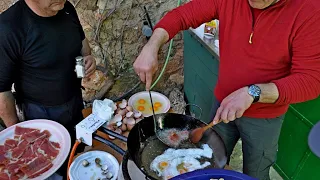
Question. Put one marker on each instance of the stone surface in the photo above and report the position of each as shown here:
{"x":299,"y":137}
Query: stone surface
{"x":95,"y":81}
{"x":177,"y":78}
{"x":96,"y":86}
{"x":124,"y":84}
{"x":176,"y":98}
{"x":88,"y":95}
{"x":4,"y":4}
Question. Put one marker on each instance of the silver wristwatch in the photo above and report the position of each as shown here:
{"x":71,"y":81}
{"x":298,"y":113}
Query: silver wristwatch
{"x":255,"y":92}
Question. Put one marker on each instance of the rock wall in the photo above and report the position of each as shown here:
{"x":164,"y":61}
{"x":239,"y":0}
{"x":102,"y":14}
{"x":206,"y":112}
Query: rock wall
{"x":114,"y":29}
{"x":4,"y":4}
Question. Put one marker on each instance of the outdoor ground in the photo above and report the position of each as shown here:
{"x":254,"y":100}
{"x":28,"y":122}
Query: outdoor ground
{"x":236,"y":162}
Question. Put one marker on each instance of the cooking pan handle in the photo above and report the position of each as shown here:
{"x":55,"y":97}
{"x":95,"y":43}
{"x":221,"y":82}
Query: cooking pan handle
{"x":185,"y":107}
{"x":109,"y":143}
{"x":114,"y":134}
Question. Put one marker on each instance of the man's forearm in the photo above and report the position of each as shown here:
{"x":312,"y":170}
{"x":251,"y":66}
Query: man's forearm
{"x":159,"y":37}
{"x":269,"y":93}
{"x":7,"y":108}
{"x":86,"y":50}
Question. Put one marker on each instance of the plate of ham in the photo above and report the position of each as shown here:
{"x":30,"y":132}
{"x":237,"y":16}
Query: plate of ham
{"x":33,"y":150}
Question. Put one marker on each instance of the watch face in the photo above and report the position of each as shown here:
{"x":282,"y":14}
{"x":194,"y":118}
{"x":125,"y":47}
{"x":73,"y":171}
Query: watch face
{"x":254,"y":90}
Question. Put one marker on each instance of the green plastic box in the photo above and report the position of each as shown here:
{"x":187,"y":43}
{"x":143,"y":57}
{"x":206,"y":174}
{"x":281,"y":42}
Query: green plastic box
{"x":295,"y":160}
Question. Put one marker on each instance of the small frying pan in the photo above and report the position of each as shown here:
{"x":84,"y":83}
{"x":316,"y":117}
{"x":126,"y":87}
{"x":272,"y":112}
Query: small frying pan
{"x":144,"y":146}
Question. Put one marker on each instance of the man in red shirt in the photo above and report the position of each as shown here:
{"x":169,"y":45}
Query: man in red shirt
{"x":269,"y":58}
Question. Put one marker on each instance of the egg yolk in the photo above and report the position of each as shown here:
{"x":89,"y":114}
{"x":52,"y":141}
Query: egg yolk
{"x":174,"y":137}
{"x":142,"y":101}
{"x":141,"y":108}
{"x":163,"y":165}
{"x":157,"y":104}
{"x":155,"y":108}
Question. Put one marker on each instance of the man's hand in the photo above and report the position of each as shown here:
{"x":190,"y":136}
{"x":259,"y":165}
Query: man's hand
{"x":90,"y":65}
{"x":233,"y":106}
{"x":11,"y":123}
{"x":147,"y":62}
{"x":146,"y":65}
{"x":7,"y":109}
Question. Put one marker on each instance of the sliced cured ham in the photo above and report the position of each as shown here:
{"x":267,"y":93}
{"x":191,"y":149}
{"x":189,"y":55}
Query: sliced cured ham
{"x":34,"y":135}
{"x":48,"y":150}
{"x":3,"y":159}
{"x":29,"y":154}
{"x":2,"y":149}
{"x":19,"y":150}
{"x":31,"y":136}
{"x":22,"y":130}
{"x":4,"y":176}
{"x":10,"y":143}
{"x":56,"y":145}
{"x":36,"y":167}
{"x":14,"y":167}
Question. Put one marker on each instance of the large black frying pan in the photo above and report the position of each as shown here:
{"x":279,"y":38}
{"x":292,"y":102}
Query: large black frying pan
{"x":143,"y":145}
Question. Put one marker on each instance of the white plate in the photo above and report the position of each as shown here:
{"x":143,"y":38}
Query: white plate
{"x":58,"y":134}
{"x":78,"y":172}
{"x":156,"y":97}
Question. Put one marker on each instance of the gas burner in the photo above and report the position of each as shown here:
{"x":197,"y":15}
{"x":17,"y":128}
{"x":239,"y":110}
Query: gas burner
{"x":129,"y":171}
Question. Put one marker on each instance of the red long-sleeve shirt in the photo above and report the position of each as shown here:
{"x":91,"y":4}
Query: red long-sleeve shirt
{"x":285,"y":47}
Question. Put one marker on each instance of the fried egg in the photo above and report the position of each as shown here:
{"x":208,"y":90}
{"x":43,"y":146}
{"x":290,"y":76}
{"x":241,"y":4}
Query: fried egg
{"x":174,"y":162}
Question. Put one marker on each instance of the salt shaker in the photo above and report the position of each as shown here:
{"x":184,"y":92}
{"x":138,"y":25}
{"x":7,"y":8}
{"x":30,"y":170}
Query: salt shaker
{"x":80,"y":67}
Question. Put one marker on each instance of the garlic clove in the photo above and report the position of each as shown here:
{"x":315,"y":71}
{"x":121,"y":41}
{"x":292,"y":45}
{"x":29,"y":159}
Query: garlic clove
{"x":118,"y":131}
{"x":130,"y":126}
{"x":137,"y":115}
{"x":114,"y":106}
{"x":85,"y":163}
{"x":119,"y":124}
{"x":123,"y":127}
{"x":125,"y":120}
{"x":111,"y":137}
{"x":109,"y":175}
{"x":129,"y":114}
{"x":117,"y":118}
{"x":131,"y":121}
{"x":126,"y":134}
{"x":110,"y":127}
{"x":104,"y":167}
{"x":138,"y":120}
{"x":129,"y":108}
{"x":123,"y":104}
{"x":122,"y":112}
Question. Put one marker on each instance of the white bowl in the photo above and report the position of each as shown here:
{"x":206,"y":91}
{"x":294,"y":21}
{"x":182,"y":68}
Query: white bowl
{"x":156,"y":97}
{"x":78,"y":172}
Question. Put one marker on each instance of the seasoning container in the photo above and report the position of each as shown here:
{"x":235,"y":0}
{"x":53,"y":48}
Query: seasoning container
{"x":210,"y":29}
{"x":80,"y":70}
